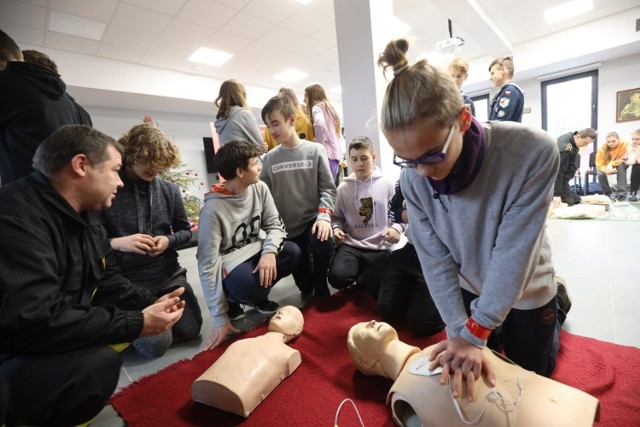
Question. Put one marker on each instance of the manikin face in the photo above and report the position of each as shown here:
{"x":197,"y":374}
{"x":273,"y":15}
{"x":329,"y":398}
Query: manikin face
{"x":144,"y":171}
{"x":288,"y":320}
{"x":371,"y":339}
{"x":498,"y":75}
{"x":361,"y":162}
{"x":612,"y":142}
{"x":281,"y":129}
{"x":102,"y":182}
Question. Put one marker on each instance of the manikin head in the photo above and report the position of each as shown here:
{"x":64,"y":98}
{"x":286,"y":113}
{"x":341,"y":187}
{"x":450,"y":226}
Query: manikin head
{"x":367,"y":342}
{"x":288,"y":321}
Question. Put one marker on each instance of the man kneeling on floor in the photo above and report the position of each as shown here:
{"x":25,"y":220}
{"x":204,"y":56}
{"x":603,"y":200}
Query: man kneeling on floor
{"x":238,"y":263}
{"x":62,"y":298}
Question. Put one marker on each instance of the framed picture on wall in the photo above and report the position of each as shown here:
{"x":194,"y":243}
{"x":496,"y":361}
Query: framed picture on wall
{"x":628,"y":105}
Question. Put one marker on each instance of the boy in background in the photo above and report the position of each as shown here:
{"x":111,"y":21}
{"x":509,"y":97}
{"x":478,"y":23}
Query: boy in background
{"x":298,"y":175}
{"x":508,"y":104}
{"x":459,"y":70}
{"x":242,"y":251}
{"x":360,"y":222}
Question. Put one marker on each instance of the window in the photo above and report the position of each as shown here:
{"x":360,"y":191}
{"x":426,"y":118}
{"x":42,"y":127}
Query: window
{"x":481,"y":103}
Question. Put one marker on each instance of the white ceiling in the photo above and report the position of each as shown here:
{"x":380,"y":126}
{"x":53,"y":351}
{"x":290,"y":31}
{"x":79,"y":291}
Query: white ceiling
{"x":268,"y":36}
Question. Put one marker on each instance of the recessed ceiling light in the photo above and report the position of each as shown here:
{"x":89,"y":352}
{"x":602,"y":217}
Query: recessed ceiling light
{"x":213,"y":57}
{"x":568,"y":10}
{"x":290,"y":76}
{"x":76,"y":26}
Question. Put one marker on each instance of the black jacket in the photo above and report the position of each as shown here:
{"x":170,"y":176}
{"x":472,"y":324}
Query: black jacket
{"x":33,"y":104}
{"x":569,"y":157}
{"x":60,"y":288}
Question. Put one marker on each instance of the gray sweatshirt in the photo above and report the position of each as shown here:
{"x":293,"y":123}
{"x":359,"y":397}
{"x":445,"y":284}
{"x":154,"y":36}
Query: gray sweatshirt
{"x":232,"y":229}
{"x":491,"y":238}
{"x":241,"y":125}
{"x":301,"y":183}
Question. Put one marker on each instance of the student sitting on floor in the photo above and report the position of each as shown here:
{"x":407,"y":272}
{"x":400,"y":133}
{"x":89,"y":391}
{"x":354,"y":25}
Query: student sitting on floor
{"x":403,"y":290}
{"x":145,"y":225}
{"x":238,"y":264}
{"x":360,"y":223}
{"x":610,"y":160}
{"x":297,"y":173}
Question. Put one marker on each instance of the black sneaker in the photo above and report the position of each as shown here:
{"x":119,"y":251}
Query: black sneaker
{"x":266,"y":307}
{"x":633,"y":197}
{"x":236,"y":312}
{"x":562,"y":295}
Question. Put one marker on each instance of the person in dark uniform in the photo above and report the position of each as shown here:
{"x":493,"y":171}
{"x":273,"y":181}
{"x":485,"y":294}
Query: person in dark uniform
{"x":508,"y":104}
{"x":569,"y":145}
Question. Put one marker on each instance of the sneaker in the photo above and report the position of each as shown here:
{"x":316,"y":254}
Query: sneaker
{"x":562,"y":295}
{"x":236,"y":312}
{"x":633,"y":197}
{"x":266,"y":307}
{"x":620,"y":197}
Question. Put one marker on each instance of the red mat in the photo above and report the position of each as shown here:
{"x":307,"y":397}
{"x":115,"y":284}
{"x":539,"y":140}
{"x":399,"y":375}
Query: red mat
{"x":311,"y":395}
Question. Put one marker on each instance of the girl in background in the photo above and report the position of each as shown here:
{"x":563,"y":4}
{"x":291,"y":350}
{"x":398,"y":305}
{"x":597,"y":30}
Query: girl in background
{"x":633,"y":160}
{"x":326,"y":125}
{"x":610,"y":160}
{"x":234,"y":120}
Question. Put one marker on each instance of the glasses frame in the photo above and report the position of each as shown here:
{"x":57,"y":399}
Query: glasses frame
{"x":426,"y":159}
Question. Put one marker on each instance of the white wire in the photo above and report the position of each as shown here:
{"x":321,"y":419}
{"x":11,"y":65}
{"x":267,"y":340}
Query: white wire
{"x":354,"y":407}
{"x":502,"y":403}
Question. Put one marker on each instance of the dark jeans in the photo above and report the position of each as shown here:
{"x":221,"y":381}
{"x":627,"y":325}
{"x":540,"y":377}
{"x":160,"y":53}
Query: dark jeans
{"x":62,"y":389}
{"x":568,"y":196}
{"x":404,"y":293}
{"x":188,"y":327}
{"x":635,"y":179}
{"x":311,"y":274}
{"x":361,"y":266}
{"x":621,"y":172}
{"x":528,"y":337}
{"x":243,"y":285}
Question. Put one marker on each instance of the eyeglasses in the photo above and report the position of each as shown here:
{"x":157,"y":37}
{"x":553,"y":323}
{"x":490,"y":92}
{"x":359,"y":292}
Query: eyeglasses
{"x":426,"y":159}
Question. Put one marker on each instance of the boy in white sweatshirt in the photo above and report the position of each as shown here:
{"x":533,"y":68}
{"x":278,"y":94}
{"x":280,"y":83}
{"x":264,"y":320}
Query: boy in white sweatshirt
{"x":361,"y":224}
{"x":242,"y":250}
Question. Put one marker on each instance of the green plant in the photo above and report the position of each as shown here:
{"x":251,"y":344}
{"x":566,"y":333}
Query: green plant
{"x":186,"y":179}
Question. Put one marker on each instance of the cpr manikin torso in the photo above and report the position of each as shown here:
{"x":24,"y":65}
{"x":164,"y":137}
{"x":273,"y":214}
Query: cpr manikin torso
{"x":251,"y":368}
{"x":520,"y":398}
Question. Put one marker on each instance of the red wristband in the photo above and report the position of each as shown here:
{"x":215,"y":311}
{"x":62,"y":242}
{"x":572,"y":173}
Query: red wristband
{"x":477,"y":330}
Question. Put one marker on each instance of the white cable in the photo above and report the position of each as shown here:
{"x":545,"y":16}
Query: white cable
{"x":354,"y":407}
{"x":502,"y":403}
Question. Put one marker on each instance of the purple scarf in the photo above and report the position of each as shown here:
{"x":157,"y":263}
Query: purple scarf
{"x":466,"y":168}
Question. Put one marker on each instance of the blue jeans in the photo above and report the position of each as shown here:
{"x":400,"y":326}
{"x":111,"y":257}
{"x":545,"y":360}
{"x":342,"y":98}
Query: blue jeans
{"x":243,"y":285}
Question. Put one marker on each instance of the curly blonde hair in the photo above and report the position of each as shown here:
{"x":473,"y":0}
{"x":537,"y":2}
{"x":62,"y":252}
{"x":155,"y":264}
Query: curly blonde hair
{"x":146,"y":143}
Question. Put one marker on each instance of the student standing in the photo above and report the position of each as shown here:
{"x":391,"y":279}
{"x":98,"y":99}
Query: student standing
{"x":459,"y":70}
{"x":361,"y":225}
{"x":508,"y":104}
{"x":304,"y":128}
{"x":478,"y":196}
{"x":297,"y":173}
{"x":326,"y":125}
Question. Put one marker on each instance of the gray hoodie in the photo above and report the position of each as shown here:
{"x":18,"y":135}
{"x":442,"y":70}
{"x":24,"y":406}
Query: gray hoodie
{"x":239,"y":125}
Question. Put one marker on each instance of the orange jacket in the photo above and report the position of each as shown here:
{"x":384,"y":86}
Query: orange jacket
{"x":617,"y":156}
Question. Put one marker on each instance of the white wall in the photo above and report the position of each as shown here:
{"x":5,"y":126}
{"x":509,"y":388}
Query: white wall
{"x":185,"y":130}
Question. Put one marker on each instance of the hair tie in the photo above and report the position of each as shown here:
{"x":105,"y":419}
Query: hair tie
{"x":400,"y":70}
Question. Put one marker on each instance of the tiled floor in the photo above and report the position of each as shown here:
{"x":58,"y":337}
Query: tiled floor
{"x":598,"y":259}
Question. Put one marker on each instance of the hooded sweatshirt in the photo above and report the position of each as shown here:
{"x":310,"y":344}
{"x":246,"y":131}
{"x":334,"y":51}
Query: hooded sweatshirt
{"x":33,"y":104}
{"x":362,"y":211}
{"x":232,"y":229}
{"x":239,"y":125}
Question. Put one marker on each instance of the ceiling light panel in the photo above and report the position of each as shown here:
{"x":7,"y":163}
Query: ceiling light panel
{"x":212,"y":57}
{"x":75,"y":26}
{"x":567,"y":10}
{"x":290,"y":76}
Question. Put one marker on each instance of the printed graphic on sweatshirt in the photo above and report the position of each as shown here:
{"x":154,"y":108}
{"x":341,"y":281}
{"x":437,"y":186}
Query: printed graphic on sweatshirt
{"x":245,"y":234}
{"x":293,"y":165}
{"x":366,"y":209}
